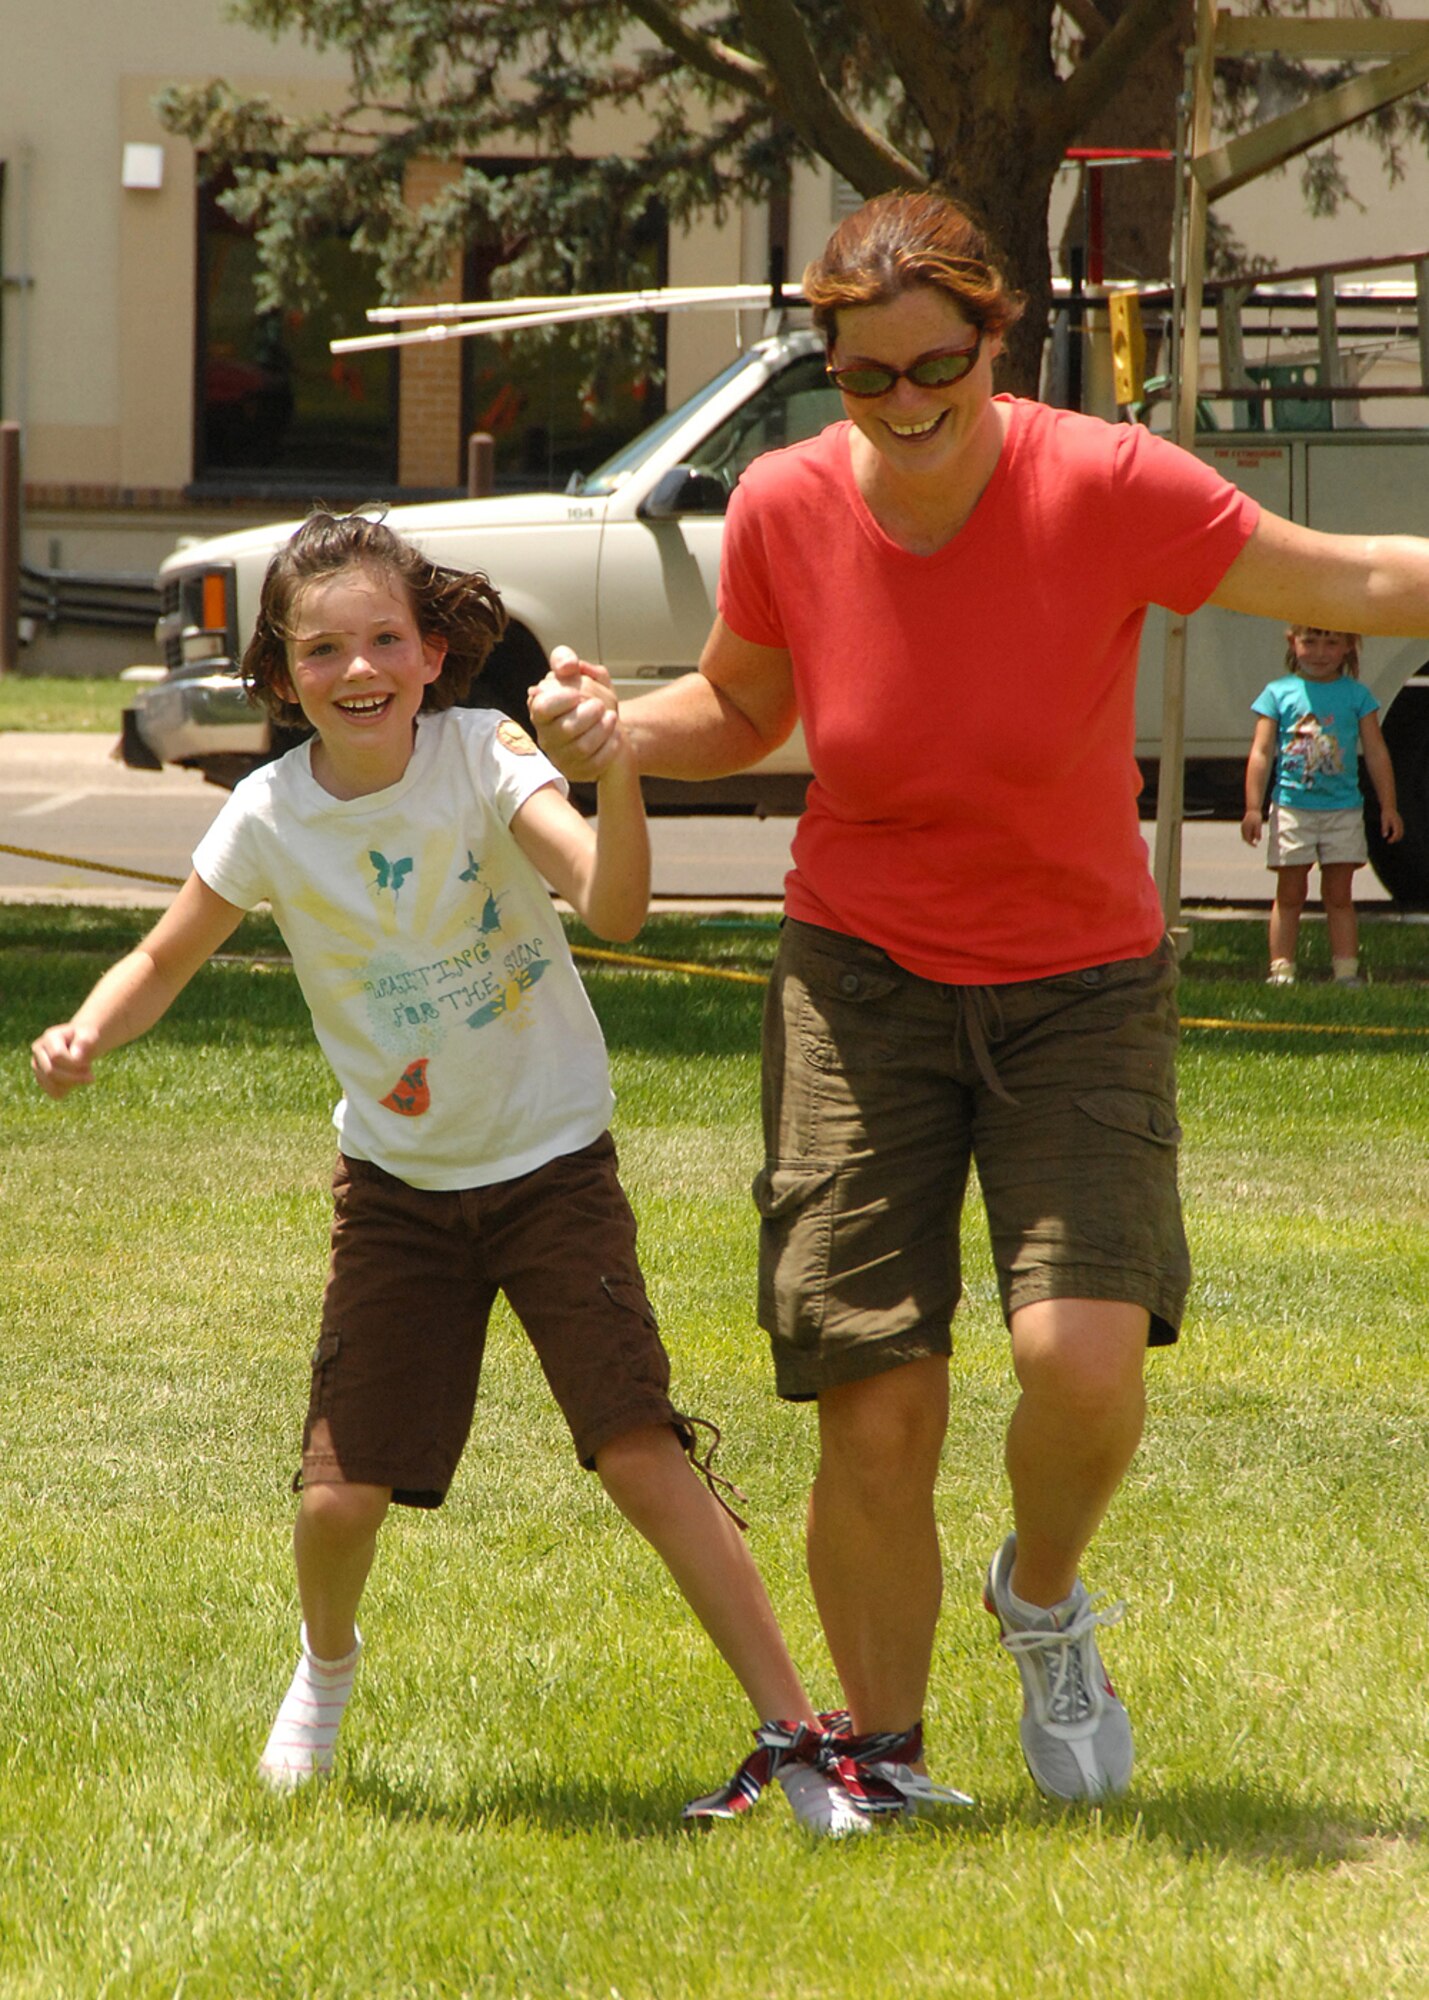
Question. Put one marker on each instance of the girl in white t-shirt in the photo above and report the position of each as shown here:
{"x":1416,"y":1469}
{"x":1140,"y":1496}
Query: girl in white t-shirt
{"x":403,"y":848}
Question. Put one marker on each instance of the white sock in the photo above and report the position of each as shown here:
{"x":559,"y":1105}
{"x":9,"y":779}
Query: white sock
{"x":304,"y":1734}
{"x":1344,"y":968}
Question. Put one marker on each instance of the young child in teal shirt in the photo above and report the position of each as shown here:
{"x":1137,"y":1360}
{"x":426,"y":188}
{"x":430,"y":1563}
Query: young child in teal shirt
{"x":1314,"y":723}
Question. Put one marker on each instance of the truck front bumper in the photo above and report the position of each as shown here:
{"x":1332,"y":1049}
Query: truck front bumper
{"x":194,"y":718}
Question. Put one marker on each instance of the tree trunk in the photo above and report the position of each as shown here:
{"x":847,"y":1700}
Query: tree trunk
{"x":1138,"y":201}
{"x":1015,"y":212}
{"x":1000,"y":167}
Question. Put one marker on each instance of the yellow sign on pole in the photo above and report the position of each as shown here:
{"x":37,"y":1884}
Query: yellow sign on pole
{"x":1128,"y":345}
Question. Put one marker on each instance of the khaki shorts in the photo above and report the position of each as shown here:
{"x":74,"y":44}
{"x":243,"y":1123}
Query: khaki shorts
{"x":881,"y":1088}
{"x":413,"y":1279}
{"x":1300,"y":837}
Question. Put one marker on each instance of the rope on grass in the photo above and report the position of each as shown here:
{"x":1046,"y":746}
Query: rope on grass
{"x":669,"y":965}
{"x":99,"y":867}
{"x":642,"y":963}
{"x":1298,"y":1027}
{"x":579,"y":951}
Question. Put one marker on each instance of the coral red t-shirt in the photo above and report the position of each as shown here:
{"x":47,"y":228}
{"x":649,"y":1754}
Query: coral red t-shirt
{"x":970,"y":715}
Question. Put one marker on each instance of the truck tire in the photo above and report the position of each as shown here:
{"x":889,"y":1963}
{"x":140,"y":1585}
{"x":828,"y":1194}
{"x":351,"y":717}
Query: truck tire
{"x":1404,"y":867}
{"x":509,"y":675}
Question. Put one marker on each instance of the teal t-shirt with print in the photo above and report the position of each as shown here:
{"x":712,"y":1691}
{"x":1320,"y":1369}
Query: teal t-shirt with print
{"x":1317,"y":740}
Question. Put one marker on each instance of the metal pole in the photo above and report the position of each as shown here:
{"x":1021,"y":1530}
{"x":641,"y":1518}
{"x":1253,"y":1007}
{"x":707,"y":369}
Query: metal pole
{"x":9,"y":548}
{"x":1171,"y":778}
{"x":480,"y":465}
{"x":1076,"y":325}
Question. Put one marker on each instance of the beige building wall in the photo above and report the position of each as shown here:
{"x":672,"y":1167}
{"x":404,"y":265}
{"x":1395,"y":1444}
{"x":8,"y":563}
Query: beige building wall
{"x":98,"y":355}
{"x":98,"y":342}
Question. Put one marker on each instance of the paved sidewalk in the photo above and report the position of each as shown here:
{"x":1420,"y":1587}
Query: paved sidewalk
{"x":67,"y":794}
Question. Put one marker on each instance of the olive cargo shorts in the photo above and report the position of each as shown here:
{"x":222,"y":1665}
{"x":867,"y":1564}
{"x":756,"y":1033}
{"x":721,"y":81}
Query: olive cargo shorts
{"x":880,"y":1088}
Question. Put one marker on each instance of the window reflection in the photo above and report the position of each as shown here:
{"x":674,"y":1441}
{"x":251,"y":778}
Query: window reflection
{"x":273,"y":404}
{"x":549,"y":409}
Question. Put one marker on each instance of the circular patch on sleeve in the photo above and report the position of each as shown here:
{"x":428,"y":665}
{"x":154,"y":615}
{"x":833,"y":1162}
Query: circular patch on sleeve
{"x":515,"y":738}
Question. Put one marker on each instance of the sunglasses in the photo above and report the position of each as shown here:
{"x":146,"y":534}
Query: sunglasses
{"x":934,"y":371}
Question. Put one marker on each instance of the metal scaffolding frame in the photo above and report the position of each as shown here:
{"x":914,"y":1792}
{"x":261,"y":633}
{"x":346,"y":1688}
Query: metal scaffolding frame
{"x":1205,"y":173}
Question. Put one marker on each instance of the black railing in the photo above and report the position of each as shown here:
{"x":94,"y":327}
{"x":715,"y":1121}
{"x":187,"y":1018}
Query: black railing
{"x":119,"y":600}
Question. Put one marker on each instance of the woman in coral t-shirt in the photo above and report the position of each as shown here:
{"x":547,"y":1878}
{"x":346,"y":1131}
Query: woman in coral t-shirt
{"x":948,"y":590}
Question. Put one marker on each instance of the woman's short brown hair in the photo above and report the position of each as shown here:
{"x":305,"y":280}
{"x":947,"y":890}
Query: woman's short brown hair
{"x":460,"y":606}
{"x":899,"y":241}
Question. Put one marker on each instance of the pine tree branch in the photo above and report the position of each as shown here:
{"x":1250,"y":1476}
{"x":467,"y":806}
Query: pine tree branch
{"x":863,"y":156}
{"x":705,"y":54}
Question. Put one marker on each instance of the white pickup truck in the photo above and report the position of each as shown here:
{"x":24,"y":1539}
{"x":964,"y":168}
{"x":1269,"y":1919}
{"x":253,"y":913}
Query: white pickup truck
{"x":623,"y":567}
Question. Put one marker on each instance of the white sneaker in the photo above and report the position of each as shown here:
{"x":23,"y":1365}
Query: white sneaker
{"x":820,"y":1803}
{"x":1076,"y":1735}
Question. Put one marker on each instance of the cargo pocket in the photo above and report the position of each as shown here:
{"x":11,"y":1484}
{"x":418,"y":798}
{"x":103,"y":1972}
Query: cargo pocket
{"x":795,"y":1233}
{"x":634,"y":1368}
{"x":324,"y":1354}
{"x":1129,"y":1203}
{"x":631,"y":1294}
{"x":840,"y":1021}
{"x":1133,"y":1111}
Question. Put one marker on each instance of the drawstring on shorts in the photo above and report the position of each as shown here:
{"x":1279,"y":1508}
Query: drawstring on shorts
{"x":686,"y":1428}
{"x":981,"y":1020}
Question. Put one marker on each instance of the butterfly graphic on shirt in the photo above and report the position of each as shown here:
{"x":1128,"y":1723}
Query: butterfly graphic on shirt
{"x":390,"y":874}
{"x":410,"y":1095}
{"x":509,"y":999}
{"x":490,"y":918}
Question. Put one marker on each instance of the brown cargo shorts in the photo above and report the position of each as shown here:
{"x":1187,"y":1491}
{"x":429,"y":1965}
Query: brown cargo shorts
{"x":413,"y":1278}
{"x":881,"y":1089}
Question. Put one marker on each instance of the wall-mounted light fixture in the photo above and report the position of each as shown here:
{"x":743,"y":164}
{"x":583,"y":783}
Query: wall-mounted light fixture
{"x":143,"y":167}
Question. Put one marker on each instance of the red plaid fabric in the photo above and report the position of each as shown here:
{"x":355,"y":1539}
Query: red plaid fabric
{"x":875,"y":1770}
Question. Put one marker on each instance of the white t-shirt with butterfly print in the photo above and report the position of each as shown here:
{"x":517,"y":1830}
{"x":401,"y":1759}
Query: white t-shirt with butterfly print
{"x":439,"y":980}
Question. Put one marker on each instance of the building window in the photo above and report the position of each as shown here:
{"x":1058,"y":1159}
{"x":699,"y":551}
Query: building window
{"x":274,"y":407}
{"x":535,"y":395}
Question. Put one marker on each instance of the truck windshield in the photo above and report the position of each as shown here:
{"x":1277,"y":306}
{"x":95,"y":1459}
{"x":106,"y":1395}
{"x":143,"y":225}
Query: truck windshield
{"x":793,"y":405}
{"x":615,"y":471}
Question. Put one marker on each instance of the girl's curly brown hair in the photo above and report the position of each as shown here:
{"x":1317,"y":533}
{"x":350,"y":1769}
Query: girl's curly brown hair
{"x":460,"y":606}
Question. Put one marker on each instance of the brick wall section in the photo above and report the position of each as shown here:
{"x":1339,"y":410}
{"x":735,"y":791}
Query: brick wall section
{"x":429,"y":444}
{"x":150,"y":498}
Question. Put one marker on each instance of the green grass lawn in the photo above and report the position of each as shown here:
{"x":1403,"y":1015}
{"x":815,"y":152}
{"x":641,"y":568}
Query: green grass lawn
{"x":535,"y":1705}
{"x":34,"y":701}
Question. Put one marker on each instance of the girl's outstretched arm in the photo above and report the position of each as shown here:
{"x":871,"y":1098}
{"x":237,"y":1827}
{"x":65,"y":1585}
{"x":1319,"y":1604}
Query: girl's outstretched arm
{"x":136,"y":992}
{"x":603,"y":873}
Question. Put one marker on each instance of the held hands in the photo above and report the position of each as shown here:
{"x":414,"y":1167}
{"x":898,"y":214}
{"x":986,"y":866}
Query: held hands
{"x":62,"y":1058}
{"x":1250,"y":826}
{"x":577,"y":718}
